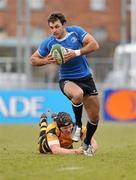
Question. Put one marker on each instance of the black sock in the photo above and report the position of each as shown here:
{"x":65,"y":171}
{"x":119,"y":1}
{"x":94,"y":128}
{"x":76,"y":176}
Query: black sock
{"x":91,"y":128}
{"x":78,"y":109}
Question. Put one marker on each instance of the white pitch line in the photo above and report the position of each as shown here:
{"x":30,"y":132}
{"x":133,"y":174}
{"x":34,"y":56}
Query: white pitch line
{"x":70,"y":168}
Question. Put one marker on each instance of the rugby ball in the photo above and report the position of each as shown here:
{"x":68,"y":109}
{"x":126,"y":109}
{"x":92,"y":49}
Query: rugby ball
{"x":58,"y":52}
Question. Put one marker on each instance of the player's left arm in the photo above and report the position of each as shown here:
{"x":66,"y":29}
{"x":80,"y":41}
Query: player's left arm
{"x":89,"y":45}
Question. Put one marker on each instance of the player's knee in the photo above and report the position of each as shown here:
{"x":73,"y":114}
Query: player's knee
{"x":77,"y":97}
{"x":94,"y":118}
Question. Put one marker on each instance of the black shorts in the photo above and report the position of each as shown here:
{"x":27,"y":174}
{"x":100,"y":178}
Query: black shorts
{"x":86,"y":84}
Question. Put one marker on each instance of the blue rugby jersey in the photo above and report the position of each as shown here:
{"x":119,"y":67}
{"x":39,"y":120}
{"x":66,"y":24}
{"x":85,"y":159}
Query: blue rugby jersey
{"x":77,"y":67}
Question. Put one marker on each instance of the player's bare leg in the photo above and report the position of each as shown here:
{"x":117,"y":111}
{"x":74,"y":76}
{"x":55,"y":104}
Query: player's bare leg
{"x":75,"y":93}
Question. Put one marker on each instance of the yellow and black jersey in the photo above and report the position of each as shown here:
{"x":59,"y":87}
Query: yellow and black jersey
{"x":53,"y":135}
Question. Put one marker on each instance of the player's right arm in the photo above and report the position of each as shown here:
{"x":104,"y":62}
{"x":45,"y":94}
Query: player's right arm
{"x":37,"y":60}
{"x":56,"y":149}
{"x":53,"y":134}
{"x":43,"y":56}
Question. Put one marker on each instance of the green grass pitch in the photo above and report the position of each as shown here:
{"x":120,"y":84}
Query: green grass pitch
{"x":115,"y":159}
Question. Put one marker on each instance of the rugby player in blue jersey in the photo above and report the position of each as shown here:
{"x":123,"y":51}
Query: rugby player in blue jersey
{"x":75,"y":75}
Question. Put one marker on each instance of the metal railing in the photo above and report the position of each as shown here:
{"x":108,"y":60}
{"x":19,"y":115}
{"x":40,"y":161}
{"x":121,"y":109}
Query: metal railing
{"x":11,"y":78}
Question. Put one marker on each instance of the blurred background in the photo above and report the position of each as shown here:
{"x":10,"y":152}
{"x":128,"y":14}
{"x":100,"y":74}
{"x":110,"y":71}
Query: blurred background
{"x":23,"y":25}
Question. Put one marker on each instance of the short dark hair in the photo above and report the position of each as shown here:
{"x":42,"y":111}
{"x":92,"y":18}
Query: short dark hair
{"x":57,"y":16}
{"x":63,"y":119}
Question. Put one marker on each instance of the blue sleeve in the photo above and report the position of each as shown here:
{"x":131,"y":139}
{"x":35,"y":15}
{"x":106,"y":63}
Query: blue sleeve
{"x":43,"y":48}
{"x":80,"y":32}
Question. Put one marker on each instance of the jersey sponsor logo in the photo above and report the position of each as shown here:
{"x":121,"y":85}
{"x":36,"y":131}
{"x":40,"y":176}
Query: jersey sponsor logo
{"x":120,"y":105}
{"x":74,"y":39}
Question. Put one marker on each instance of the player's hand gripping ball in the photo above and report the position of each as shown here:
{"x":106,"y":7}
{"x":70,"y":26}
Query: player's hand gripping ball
{"x":58,"y":52}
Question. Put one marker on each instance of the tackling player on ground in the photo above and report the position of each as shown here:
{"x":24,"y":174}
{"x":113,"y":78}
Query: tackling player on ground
{"x":76,"y":81}
{"x":56,"y":138}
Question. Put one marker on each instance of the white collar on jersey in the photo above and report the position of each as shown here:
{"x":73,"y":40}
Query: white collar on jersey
{"x":66,"y":36}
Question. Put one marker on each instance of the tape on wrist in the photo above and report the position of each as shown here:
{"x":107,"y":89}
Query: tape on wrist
{"x":78,"y":52}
